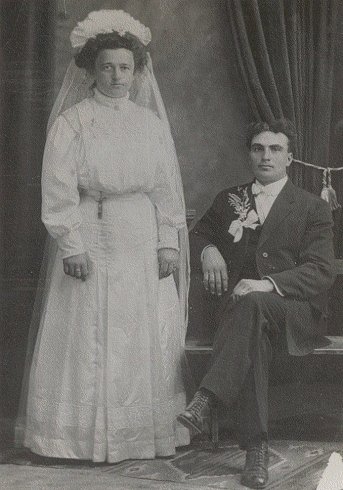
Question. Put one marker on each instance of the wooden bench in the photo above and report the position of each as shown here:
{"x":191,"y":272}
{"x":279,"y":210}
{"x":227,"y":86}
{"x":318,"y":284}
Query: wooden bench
{"x":334,"y":348}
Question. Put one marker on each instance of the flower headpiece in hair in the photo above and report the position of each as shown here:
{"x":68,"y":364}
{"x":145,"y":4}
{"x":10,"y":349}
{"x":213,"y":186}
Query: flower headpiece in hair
{"x":105,"y":21}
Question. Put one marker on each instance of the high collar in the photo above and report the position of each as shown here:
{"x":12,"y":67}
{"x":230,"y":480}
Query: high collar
{"x":274,"y":188}
{"x":114,"y":102}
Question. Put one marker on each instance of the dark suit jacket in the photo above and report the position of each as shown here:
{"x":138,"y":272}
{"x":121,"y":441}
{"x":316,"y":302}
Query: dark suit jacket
{"x":295,"y":249}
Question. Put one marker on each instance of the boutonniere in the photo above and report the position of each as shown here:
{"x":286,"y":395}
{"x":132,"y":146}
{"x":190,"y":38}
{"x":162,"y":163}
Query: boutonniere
{"x":247,"y":216}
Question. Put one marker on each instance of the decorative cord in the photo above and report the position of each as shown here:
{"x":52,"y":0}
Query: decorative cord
{"x":328,"y":193}
{"x":331,"y":169}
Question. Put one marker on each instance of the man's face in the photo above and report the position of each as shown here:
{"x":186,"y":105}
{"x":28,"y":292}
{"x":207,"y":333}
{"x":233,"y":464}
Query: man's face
{"x":114,"y":72}
{"x":269,"y":156}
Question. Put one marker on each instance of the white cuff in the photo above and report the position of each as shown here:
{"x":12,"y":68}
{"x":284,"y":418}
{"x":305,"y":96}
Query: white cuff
{"x":277,"y":289}
{"x":70,"y":244}
{"x":168,"y":237}
{"x":202,"y":253}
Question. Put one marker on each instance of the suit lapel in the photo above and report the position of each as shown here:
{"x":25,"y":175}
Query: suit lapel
{"x":282,"y":206}
{"x":251,"y":197}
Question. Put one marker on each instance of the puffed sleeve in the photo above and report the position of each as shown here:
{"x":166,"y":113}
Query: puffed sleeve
{"x":166,"y":196}
{"x":60,"y":196}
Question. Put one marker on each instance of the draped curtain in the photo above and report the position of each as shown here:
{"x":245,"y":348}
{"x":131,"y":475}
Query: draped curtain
{"x":286,"y":51}
{"x":26,"y":54}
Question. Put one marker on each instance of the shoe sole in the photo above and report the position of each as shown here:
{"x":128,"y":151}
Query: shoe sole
{"x":248,"y":484}
{"x":257,"y":488}
{"x":188,"y":424}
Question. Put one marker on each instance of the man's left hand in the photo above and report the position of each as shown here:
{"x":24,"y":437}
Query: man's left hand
{"x":245,"y":286}
{"x":168,"y":259}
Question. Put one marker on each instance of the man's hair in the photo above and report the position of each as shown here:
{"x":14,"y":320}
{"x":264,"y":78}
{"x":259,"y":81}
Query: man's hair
{"x":283,"y":125}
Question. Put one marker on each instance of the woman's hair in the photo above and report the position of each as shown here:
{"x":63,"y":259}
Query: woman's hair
{"x":282,"y":125}
{"x":87,"y":56}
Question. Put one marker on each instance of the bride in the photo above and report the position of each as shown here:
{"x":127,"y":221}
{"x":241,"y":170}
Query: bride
{"x":105,"y":376}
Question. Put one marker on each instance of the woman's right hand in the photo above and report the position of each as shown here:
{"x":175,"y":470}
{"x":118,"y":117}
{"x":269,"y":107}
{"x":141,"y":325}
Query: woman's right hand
{"x":76,"y":266}
{"x":215,"y":271}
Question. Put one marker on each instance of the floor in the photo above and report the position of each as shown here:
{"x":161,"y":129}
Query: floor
{"x":23,"y":478}
{"x":306,"y":429}
{"x":295,"y":465}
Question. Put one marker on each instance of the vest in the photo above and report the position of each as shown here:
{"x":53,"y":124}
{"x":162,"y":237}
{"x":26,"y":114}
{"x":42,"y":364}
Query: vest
{"x":249,"y":270}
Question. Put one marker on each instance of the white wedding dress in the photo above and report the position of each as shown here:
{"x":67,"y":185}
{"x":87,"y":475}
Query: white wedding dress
{"x":105,"y":381}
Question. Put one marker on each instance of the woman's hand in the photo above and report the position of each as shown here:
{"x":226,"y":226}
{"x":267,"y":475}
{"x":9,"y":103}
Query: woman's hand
{"x":215,"y":271}
{"x":168,"y":259}
{"x":76,"y":266}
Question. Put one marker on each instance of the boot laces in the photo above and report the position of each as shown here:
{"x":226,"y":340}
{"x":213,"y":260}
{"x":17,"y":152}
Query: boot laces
{"x":257,"y":456}
{"x":199,"y":402}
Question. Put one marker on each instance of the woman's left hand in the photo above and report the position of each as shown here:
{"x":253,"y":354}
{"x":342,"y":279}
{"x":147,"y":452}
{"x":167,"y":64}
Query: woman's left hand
{"x":168,"y":259}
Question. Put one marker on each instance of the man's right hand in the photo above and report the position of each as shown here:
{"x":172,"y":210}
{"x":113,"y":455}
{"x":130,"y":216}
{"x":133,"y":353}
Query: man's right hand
{"x":215,"y":271}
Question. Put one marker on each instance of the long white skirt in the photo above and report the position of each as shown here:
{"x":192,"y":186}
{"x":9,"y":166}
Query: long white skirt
{"x":105,"y":382}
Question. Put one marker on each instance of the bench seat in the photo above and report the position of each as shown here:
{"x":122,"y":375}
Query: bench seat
{"x":334,"y":348}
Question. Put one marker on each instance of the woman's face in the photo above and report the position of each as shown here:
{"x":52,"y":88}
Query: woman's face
{"x":114,"y":70}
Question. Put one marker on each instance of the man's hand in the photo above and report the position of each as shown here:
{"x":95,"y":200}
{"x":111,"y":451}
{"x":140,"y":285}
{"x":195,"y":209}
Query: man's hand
{"x":245,"y":286}
{"x":215,"y":271}
{"x":168,"y":259}
{"x":76,"y":266}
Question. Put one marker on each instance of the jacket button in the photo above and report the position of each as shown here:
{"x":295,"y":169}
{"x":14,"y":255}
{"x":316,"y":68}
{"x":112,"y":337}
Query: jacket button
{"x":265,"y":255}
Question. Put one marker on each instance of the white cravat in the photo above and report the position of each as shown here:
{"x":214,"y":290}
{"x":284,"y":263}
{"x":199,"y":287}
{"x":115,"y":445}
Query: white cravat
{"x":265,"y":196}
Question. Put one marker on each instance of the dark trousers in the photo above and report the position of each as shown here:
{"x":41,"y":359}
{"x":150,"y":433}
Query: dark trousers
{"x":242,"y":351}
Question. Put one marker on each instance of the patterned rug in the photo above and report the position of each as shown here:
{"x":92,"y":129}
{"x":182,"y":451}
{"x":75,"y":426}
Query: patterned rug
{"x":201,"y":467}
{"x":293,"y":465}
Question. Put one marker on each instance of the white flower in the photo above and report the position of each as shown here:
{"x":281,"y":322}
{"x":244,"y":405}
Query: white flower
{"x":247,"y":217}
{"x":105,"y":21}
{"x":237,"y":226}
{"x":241,"y":204}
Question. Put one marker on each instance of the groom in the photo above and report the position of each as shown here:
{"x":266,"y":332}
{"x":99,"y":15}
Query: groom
{"x":266,"y":251}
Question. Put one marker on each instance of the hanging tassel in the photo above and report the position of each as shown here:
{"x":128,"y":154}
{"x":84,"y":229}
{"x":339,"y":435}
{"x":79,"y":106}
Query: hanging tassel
{"x":328,"y":192}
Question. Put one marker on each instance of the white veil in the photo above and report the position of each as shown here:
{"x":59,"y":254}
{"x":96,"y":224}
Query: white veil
{"x":145,"y":92}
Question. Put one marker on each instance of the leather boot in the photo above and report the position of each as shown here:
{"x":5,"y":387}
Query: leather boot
{"x":198,"y":409}
{"x":255,"y":473}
